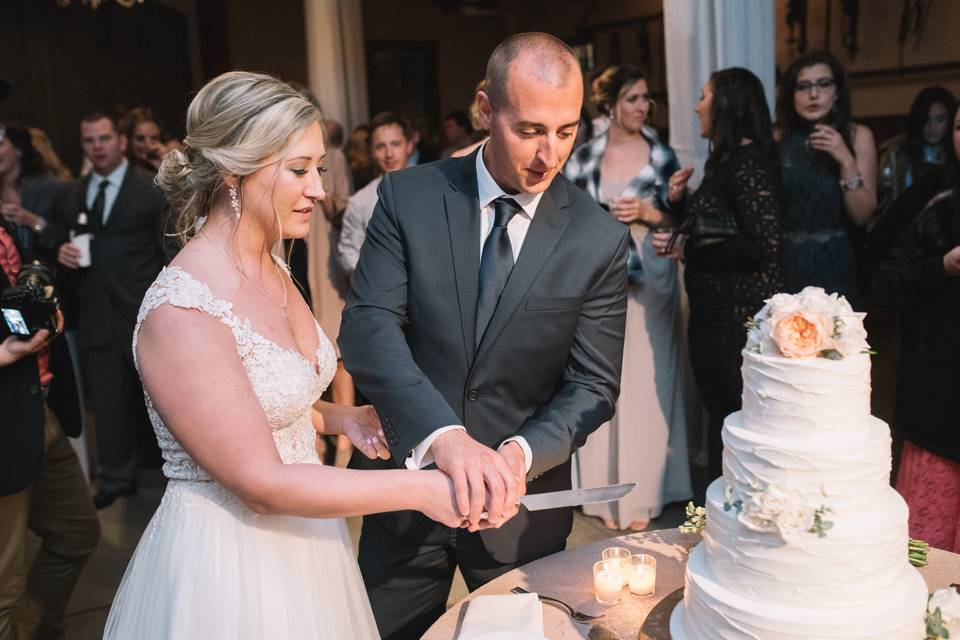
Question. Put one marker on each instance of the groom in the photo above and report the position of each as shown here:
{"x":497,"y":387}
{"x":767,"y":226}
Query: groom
{"x":486,"y":326}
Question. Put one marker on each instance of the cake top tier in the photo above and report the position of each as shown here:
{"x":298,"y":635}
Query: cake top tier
{"x":805,"y":365}
{"x":809,"y":324}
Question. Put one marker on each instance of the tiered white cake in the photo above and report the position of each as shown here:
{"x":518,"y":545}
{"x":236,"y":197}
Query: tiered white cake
{"x":805,"y":538}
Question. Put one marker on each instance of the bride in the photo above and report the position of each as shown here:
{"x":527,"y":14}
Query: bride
{"x":249,"y":540}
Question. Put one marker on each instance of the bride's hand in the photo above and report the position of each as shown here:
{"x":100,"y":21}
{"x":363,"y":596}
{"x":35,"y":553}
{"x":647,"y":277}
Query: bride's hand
{"x":439,"y":503}
{"x":362,"y":426}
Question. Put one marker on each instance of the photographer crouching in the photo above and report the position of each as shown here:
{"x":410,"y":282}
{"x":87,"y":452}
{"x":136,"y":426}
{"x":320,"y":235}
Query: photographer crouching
{"x":42,"y":486}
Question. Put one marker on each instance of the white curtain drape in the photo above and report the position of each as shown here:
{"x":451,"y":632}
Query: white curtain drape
{"x":703,"y":36}
{"x":336,"y":64}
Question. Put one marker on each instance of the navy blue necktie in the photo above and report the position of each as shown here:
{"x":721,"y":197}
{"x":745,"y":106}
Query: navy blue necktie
{"x":99,"y":204}
{"x":496,"y":263}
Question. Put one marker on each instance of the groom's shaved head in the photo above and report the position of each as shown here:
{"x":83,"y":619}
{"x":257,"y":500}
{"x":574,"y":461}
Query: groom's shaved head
{"x":546,"y":57}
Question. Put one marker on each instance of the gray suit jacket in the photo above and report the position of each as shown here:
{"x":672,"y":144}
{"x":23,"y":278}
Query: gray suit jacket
{"x":548,"y":367}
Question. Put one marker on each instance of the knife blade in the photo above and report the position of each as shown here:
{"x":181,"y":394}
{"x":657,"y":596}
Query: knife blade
{"x":576,"y":497}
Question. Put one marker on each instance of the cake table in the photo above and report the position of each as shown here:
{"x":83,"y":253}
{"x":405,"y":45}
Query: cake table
{"x":567,"y":576}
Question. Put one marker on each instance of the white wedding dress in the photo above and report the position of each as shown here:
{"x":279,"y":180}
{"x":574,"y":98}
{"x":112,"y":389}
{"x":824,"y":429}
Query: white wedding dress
{"x":207,"y":567}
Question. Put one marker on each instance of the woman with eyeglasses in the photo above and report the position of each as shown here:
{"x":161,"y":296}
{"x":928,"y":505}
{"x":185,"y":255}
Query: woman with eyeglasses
{"x":829,"y":176}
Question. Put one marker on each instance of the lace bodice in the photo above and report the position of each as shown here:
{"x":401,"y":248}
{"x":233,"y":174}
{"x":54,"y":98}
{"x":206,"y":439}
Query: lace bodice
{"x":284,"y":382}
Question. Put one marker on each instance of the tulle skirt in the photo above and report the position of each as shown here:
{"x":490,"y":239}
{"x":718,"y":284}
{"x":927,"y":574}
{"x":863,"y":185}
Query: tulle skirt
{"x":209,"y":568}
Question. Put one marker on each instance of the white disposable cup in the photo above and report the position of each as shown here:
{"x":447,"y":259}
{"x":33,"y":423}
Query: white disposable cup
{"x":82,"y":242}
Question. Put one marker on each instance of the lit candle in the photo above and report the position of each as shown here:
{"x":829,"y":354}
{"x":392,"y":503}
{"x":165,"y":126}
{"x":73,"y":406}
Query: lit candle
{"x":619,"y":559}
{"x":643,"y":575}
{"x":607,"y":583}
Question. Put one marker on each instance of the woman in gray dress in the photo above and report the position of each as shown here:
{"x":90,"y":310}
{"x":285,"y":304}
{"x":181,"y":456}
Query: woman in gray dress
{"x":637,"y":178}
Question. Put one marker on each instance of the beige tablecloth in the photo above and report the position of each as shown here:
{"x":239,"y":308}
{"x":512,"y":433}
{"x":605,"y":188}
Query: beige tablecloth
{"x":568,"y":577}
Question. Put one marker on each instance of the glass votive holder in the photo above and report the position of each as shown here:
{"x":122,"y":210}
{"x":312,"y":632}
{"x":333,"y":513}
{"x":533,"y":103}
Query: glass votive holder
{"x":642,"y":579}
{"x":619,"y":557}
{"x":607,"y":582}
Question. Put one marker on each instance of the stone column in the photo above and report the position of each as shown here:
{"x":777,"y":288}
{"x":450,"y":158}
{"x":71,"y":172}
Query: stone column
{"x":336,"y":64}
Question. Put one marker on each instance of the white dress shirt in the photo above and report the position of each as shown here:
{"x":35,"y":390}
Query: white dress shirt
{"x":353,"y":229}
{"x":488,"y":191}
{"x":115,"y":179}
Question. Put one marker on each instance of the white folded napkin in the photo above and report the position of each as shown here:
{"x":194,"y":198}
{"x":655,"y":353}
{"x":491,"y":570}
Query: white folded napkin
{"x":520,"y":613}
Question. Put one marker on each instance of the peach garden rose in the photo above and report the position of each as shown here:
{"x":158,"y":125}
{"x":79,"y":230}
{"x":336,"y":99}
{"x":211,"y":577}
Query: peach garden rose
{"x":800,"y":334}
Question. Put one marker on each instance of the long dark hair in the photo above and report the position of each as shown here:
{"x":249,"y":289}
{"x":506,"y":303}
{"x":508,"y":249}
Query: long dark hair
{"x":31,"y":162}
{"x":739,"y":110}
{"x":790,"y":121}
{"x":917,"y":121}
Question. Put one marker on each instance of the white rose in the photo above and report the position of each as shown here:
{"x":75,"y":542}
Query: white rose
{"x":781,"y":303}
{"x":761,"y":508}
{"x":816,"y":300}
{"x":948,"y":601}
{"x":796,"y":518}
{"x":853,"y":337}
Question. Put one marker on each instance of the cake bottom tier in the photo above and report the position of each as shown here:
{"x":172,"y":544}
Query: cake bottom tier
{"x":709,"y":611}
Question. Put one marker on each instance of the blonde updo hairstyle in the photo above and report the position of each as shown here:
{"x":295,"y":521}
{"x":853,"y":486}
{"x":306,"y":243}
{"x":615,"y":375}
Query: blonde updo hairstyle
{"x":610,"y":85}
{"x":238,"y":123}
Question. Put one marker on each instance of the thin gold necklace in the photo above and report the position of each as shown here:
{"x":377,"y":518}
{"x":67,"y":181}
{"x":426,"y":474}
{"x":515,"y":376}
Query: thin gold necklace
{"x":239,"y":267}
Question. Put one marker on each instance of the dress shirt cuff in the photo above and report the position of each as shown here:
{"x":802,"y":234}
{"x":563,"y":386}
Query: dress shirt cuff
{"x":527,"y":451}
{"x":420,"y":457}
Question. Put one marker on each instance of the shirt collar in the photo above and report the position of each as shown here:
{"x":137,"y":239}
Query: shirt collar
{"x":115,"y":177}
{"x":488,"y":190}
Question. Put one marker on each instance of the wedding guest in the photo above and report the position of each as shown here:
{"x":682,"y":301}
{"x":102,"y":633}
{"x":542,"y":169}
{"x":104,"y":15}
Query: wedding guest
{"x":29,"y":197}
{"x":146,"y":143}
{"x":456,"y":132}
{"x":423,"y":151}
{"x":921,"y":278}
{"x":31,"y":202}
{"x":629,"y":171}
{"x":829,"y":176}
{"x":357,"y":150}
{"x":391,"y":143}
{"x":907,"y":158}
{"x":334,"y":134}
{"x":732,"y":249}
{"x":44,"y":147}
{"x":126,"y":215}
{"x":42,"y":486}
{"x":479,"y":131}
{"x":896,"y":216}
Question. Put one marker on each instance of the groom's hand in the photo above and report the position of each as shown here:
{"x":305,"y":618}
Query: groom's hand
{"x":482,"y":478}
{"x":512,"y":452}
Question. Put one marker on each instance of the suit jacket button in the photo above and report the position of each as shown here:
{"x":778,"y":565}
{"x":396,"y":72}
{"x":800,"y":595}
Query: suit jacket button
{"x":473,"y":396}
{"x":34,"y":390}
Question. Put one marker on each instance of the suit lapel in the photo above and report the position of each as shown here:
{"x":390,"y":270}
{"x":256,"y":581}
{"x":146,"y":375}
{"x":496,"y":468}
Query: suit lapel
{"x":463,"y":222}
{"x":545,"y":230}
{"x":81,"y":198}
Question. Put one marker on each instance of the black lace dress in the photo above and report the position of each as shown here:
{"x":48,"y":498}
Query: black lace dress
{"x":818,"y":249}
{"x":732,"y":267}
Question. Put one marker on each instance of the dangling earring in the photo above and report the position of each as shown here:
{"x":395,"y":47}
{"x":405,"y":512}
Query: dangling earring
{"x":235,"y":203}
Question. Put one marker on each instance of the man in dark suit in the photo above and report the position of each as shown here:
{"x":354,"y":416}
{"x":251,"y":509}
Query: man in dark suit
{"x":125,"y":215}
{"x":486,"y":325}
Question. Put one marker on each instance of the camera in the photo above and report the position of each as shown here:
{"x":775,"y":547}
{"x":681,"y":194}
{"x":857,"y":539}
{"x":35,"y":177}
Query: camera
{"x":31,"y":304}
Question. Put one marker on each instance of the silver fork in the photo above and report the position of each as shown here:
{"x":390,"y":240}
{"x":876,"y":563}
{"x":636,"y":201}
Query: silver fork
{"x":575,"y":615}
